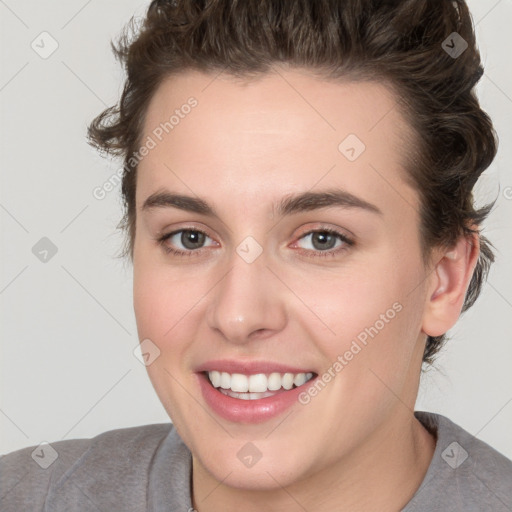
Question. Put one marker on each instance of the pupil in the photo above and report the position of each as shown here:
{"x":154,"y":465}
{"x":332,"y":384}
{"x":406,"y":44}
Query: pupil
{"x":325,"y":240}
{"x":192,"y":239}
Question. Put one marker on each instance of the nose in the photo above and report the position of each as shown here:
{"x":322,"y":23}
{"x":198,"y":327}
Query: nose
{"x":247,"y":304}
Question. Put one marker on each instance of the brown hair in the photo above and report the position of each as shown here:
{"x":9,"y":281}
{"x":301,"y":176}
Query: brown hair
{"x":404,"y":43}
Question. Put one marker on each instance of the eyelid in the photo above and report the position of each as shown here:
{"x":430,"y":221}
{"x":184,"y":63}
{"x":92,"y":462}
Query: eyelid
{"x":173,"y":229}
{"x":314,"y":227}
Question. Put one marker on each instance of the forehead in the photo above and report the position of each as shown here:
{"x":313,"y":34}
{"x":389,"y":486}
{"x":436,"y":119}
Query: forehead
{"x":284,"y":101}
{"x":287,"y":128}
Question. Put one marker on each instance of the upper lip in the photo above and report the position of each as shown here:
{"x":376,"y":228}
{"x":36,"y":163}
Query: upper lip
{"x":249,"y":367}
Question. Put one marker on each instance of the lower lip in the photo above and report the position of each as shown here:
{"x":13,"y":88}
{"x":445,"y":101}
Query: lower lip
{"x":248,"y":411}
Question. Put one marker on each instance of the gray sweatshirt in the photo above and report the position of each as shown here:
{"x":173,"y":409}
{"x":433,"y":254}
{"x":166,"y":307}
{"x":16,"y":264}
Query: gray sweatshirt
{"x":148,"y":468}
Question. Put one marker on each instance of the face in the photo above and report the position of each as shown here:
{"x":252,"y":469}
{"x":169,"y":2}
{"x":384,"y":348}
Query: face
{"x":271,"y":241}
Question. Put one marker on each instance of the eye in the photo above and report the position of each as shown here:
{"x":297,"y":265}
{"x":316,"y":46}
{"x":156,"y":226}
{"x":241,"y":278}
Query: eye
{"x":316,"y":243}
{"x":324,"y":242}
{"x":184,"y":241}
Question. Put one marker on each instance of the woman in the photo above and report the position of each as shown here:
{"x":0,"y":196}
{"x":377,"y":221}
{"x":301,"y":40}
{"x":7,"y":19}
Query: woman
{"x":298,"y":188}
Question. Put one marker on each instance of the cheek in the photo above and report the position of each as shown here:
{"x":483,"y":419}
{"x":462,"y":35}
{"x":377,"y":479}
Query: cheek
{"x":160,"y":300}
{"x":167,"y":306}
{"x":351,"y":298}
{"x":368,"y":307}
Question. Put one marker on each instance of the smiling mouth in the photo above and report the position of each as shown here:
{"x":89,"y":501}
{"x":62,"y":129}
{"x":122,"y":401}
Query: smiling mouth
{"x":256,"y":386}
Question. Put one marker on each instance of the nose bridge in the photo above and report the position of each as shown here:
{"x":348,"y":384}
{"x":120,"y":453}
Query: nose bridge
{"x":245,"y":301}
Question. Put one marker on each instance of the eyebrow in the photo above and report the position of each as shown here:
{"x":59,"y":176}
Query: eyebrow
{"x":296,"y":203}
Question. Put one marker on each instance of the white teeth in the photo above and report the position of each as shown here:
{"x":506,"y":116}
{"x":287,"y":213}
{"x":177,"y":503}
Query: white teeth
{"x":215,"y":378}
{"x":274,"y":382}
{"x":246,"y":396}
{"x":225,"y":380}
{"x":239,"y":383}
{"x":252,"y":387}
{"x":288,"y":380}
{"x":257,"y":383}
{"x":299,"y":379}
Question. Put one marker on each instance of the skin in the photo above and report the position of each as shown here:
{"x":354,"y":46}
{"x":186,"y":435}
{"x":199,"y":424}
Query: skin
{"x":244,"y":147}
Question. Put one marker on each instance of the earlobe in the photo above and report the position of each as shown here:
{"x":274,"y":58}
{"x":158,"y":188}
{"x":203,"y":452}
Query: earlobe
{"x":448,"y":285}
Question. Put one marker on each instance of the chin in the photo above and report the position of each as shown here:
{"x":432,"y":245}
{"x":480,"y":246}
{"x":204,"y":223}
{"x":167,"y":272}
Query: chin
{"x":259,"y":466}
{"x":261,"y":477}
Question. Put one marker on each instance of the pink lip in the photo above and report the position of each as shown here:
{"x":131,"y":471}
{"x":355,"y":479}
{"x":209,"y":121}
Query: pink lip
{"x":250,"y":411}
{"x":248,"y":367}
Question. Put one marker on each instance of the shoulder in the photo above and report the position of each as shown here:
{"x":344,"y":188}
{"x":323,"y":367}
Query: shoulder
{"x":465,"y":472}
{"x":30,"y":475}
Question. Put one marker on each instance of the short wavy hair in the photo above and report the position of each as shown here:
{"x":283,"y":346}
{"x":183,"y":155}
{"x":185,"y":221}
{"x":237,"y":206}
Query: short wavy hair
{"x":399,"y":42}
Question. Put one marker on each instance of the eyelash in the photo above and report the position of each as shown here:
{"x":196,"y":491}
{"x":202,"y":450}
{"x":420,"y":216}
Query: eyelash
{"x":316,"y":254}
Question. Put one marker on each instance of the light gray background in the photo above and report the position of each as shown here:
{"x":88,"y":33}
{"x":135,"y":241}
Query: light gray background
{"x":67,"y":326}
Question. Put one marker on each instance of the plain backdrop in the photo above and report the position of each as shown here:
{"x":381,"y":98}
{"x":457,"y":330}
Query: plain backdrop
{"x":67,"y":324}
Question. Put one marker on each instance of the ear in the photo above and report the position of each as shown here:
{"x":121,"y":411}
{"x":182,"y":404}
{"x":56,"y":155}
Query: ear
{"x":448,"y":284}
